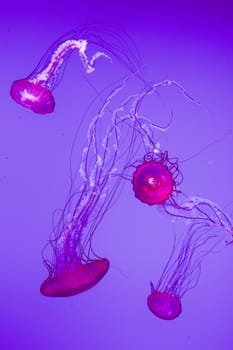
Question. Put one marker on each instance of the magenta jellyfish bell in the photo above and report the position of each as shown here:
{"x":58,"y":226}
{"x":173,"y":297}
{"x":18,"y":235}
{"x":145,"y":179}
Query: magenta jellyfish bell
{"x":154,"y":181}
{"x":75,"y":280}
{"x":32,"y":95}
{"x":163,"y":304}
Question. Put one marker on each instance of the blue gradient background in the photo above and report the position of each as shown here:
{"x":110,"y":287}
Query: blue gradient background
{"x":192,"y":44}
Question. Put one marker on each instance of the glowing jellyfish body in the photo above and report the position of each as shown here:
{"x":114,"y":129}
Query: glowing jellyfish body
{"x":153,"y":182}
{"x":33,"y":96}
{"x":35,"y":91}
{"x":164,"y":305}
{"x":76,"y":278}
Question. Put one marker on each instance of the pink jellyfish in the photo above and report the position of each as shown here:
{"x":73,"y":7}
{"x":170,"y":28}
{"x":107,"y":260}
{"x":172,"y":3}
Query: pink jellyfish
{"x":164,"y":304}
{"x":156,"y":179}
{"x":35,"y":91}
{"x":182,"y":270}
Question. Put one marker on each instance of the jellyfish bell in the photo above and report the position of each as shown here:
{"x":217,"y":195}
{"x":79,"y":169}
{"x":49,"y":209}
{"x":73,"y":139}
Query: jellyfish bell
{"x":156,"y":179}
{"x":75,"y":278}
{"x":152,"y":183}
{"x":33,"y":96}
{"x":164,"y":305}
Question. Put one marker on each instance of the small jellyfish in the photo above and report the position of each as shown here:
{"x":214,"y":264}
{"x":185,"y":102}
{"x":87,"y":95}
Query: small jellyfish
{"x":154,"y":180}
{"x":182,"y":270}
{"x":35,"y":91}
{"x":163,"y":304}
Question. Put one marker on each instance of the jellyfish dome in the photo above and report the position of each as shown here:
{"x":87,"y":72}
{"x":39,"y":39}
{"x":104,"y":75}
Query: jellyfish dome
{"x":75,"y":279}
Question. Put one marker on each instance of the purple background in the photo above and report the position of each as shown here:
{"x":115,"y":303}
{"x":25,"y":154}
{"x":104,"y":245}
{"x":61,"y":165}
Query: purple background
{"x":191,"y":44}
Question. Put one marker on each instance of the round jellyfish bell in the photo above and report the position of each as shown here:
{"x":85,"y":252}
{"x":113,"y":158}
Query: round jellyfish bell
{"x":33,"y":95}
{"x":164,"y":305}
{"x":182,"y":270}
{"x":154,"y":181}
{"x":75,"y":278}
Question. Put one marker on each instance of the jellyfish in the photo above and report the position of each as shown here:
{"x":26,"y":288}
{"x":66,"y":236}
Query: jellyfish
{"x":35,"y":91}
{"x":156,"y":179}
{"x":182,"y":270}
